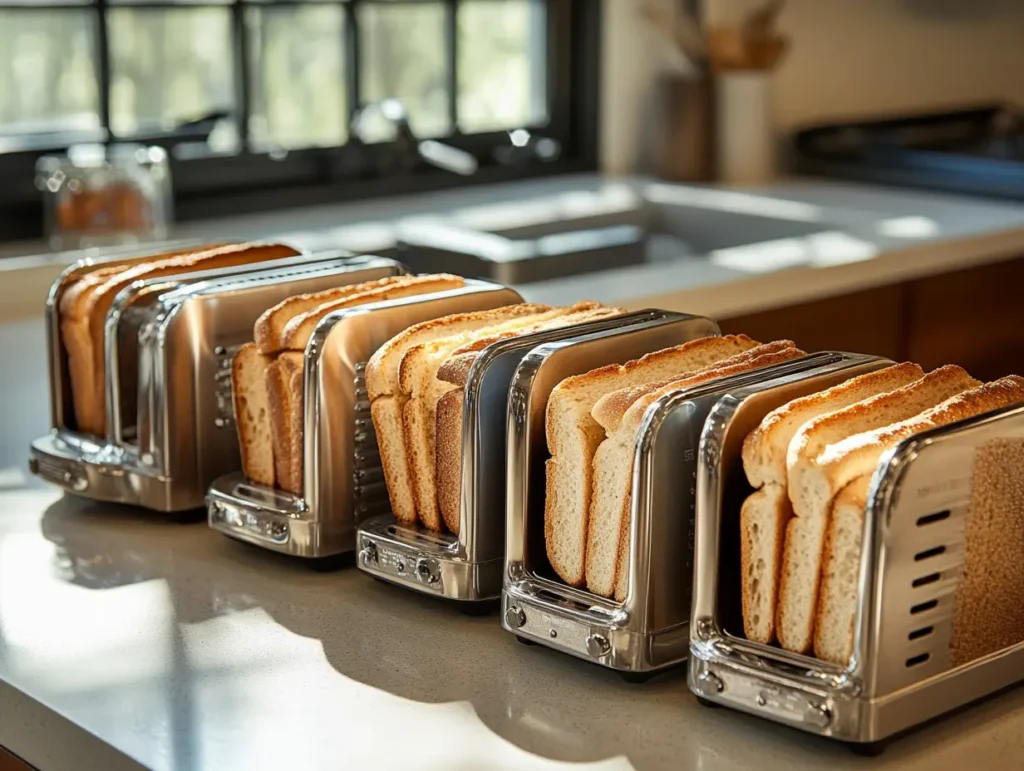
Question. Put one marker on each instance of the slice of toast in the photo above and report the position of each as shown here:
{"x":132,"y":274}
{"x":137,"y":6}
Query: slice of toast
{"x":805,"y":535}
{"x":573,"y":437}
{"x":448,"y":423}
{"x":300,"y":328}
{"x":840,"y":573}
{"x":422,"y":390}
{"x":269,"y":329}
{"x":764,"y":463}
{"x":88,"y":336}
{"x":387,"y":401}
{"x":284,"y":388}
{"x":838,"y":465}
{"x":252,"y":414}
{"x":633,"y":418}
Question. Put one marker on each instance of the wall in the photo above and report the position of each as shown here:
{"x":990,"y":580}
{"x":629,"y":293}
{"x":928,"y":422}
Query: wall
{"x":849,"y":58}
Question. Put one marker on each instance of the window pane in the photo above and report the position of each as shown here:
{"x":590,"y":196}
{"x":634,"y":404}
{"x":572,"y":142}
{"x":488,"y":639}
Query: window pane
{"x":169,"y":66}
{"x":47,"y":71}
{"x":402,"y":55}
{"x":298,"y":88}
{"x":502,"y":56}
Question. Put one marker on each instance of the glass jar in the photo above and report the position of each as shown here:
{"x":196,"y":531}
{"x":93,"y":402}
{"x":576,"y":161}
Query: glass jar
{"x":99,"y":195}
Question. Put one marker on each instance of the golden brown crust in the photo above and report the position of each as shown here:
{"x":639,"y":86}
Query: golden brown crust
{"x":448,"y":457}
{"x":248,"y":356}
{"x":269,"y":328}
{"x":387,"y":411}
{"x":298,"y":331}
{"x":280,"y":416}
{"x":293,"y":364}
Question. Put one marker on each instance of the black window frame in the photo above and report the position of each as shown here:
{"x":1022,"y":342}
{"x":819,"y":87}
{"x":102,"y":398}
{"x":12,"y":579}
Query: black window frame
{"x":253,"y":181}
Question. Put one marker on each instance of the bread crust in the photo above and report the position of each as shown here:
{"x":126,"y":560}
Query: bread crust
{"x":248,"y":356}
{"x":299,"y":329}
{"x":448,"y":457}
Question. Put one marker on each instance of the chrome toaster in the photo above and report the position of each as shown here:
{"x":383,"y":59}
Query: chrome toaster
{"x":343,"y":481}
{"x":169,"y":345}
{"x":902,"y":671}
{"x":648,"y":631}
{"x":468,"y":567}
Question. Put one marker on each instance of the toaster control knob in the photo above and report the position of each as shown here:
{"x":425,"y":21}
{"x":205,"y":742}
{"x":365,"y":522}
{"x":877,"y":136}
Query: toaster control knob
{"x":515,"y":617}
{"x":427,"y":570}
{"x":368,"y":555}
{"x":597,"y":645}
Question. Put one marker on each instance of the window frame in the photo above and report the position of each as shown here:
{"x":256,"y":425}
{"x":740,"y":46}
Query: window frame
{"x":254,"y":180}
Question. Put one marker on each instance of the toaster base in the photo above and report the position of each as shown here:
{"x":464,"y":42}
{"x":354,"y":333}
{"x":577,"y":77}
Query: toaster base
{"x":104,"y":472}
{"x":426,"y":562}
{"x":271,"y":519}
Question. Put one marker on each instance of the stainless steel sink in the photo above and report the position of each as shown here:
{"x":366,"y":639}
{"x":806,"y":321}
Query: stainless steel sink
{"x":615,"y":226}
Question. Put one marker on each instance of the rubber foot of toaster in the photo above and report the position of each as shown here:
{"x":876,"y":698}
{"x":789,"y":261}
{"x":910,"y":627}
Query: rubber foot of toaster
{"x":867,"y":749}
{"x":332,"y":563}
{"x":708,"y":703}
{"x":524,"y":641}
{"x":637,"y":678}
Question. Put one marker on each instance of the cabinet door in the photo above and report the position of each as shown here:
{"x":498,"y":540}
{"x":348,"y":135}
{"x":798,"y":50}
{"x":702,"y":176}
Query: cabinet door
{"x":974,"y":318}
{"x":9,"y":762}
{"x":862,"y":322}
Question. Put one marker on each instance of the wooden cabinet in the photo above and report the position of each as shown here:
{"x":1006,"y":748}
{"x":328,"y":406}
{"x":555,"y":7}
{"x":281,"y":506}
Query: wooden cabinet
{"x":9,"y":762}
{"x":973,"y":317}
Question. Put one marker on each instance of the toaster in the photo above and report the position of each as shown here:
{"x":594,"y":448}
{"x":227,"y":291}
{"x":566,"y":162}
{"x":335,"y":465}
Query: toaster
{"x":902,"y":671}
{"x":343,"y":481}
{"x":169,"y":345}
{"x":467,"y":568}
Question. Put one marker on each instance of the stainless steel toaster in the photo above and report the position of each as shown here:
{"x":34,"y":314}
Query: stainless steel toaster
{"x":468,"y":567}
{"x":648,"y":631}
{"x":901,"y":672}
{"x":169,"y":345}
{"x":343,"y":482}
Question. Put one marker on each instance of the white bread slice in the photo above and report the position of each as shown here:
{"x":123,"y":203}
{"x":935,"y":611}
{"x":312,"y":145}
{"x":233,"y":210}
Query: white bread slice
{"x":573,"y":437}
{"x":268,"y":331}
{"x":774,"y":353}
{"x":387,"y":400}
{"x":422,"y":390}
{"x":989,"y":613}
{"x":840,"y":573}
{"x":838,"y":465}
{"x":252,"y":414}
{"x":765,"y":448}
{"x":284,"y":388}
{"x":300,"y":328}
{"x":764,"y":518}
{"x":805,"y":536}
{"x":448,"y":421}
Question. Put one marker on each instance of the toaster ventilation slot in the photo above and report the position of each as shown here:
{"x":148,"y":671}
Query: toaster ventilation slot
{"x":931,"y":578}
{"x":917,"y":634}
{"x":369,"y":491}
{"x":928,"y":553}
{"x":932,"y":518}
{"x":914,"y":661}
{"x":923,"y":606}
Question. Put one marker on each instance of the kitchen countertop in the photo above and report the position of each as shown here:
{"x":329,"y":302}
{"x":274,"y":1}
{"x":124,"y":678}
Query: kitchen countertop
{"x":127,"y":640}
{"x":865,"y":236}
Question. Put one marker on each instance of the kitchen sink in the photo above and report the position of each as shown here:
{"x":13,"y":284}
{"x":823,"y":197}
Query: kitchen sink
{"x":615,"y":226}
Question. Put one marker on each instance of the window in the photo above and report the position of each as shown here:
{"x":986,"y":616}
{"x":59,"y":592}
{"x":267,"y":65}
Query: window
{"x":255,"y":98}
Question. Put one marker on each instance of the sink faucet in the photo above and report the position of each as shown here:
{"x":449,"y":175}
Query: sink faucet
{"x":410,"y":148}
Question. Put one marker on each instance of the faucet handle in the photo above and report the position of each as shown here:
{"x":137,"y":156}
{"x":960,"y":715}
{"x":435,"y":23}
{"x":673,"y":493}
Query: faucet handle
{"x":525,"y":146}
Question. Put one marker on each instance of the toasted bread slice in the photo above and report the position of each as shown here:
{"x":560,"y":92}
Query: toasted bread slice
{"x":573,"y":437}
{"x":269,"y":329}
{"x":284,"y":387}
{"x":455,"y":371}
{"x":422,"y":389}
{"x":989,"y":614}
{"x":840,"y":574}
{"x":85,"y":334}
{"x":765,"y":449}
{"x":387,"y":401}
{"x":631,"y":421}
{"x":764,"y":462}
{"x":252,"y":414}
{"x":805,"y":536}
{"x":300,"y":328}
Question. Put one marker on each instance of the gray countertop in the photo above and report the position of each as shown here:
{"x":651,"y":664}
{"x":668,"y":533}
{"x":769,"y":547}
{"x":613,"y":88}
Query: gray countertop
{"x":127,"y":640}
{"x":843,"y":237}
